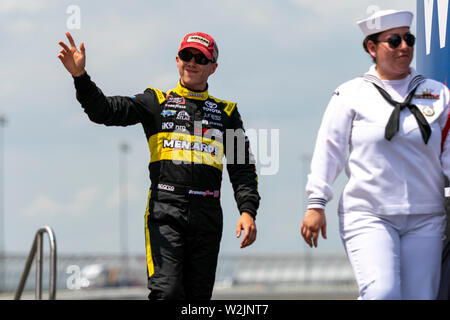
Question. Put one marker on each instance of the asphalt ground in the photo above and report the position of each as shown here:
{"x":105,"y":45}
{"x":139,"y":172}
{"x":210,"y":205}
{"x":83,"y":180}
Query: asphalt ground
{"x":241,"y":292}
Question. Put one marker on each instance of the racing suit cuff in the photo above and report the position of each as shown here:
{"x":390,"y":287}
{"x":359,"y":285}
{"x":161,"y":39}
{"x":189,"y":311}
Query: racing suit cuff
{"x":84,"y":88}
{"x":316,"y":203}
{"x":82,"y":82}
{"x":248,"y":210}
{"x":83,"y":75}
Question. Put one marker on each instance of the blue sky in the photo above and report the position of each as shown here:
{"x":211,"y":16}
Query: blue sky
{"x":280,"y":60}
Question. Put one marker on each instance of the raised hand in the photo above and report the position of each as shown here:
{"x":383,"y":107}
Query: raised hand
{"x":74,"y":60}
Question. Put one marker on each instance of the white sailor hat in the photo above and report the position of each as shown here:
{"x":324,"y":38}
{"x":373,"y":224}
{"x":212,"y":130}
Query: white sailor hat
{"x":383,"y":20}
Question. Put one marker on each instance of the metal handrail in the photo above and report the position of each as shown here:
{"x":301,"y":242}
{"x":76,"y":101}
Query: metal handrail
{"x":37,"y":248}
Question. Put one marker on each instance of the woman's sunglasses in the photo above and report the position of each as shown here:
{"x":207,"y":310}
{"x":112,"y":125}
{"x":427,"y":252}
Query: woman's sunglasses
{"x":395,"y":40}
{"x":199,"y":58}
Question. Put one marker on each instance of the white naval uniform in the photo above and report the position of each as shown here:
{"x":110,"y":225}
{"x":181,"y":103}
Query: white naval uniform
{"x":393,"y":185}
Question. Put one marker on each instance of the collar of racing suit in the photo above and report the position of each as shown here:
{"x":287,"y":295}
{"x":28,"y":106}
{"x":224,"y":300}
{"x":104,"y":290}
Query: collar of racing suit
{"x":191,"y":94}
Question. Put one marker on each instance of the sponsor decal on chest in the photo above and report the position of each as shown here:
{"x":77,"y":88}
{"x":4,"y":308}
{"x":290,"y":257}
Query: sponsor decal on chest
{"x":167,"y":125}
{"x":168,"y":113}
{"x":211,"y":107}
{"x":183,"y":127}
{"x":175,"y":102}
{"x":214,"y":117}
{"x":188,"y":145}
{"x":183,"y":115}
{"x":210,"y":123}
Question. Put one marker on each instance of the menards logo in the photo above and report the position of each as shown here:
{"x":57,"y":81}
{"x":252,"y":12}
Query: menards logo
{"x":188,"y":145}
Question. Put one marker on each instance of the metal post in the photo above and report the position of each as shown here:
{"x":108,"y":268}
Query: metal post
{"x":39,"y":259}
{"x":123,"y":223}
{"x":2,"y":208}
{"x":53,"y":270}
{"x":37,"y":249}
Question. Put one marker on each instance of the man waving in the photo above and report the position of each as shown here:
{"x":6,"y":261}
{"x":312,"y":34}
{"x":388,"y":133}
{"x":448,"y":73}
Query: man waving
{"x":188,"y":132}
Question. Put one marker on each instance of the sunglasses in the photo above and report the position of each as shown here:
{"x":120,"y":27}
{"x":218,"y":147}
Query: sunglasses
{"x":199,"y":58}
{"x":395,"y":40}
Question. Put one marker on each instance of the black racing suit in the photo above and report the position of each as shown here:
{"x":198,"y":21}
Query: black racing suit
{"x":187,"y":135}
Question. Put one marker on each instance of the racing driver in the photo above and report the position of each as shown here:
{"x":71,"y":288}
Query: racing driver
{"x":187,"y":132}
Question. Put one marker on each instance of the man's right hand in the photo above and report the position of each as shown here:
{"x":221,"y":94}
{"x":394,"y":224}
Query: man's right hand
{"x":74,"y":60}
{"x":314,"y":222}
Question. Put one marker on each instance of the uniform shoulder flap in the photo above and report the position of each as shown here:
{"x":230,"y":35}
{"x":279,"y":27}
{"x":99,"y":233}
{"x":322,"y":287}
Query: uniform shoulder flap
{"x":159,"y":94}
{"x":229,"y":106}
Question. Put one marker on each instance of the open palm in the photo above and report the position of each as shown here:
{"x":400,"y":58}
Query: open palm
{"x":74,"y":60}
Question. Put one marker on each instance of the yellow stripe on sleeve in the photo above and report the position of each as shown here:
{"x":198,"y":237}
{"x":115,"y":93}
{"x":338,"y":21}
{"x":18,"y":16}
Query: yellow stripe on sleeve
{"x":229,"y":106}
{"x":159,"y":95}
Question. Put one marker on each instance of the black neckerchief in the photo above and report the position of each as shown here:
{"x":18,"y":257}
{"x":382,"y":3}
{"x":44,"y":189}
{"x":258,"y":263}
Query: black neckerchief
{"x":392,"y":126}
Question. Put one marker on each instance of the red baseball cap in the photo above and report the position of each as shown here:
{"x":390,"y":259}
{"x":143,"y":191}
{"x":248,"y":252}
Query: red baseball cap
{"x":203,"y":42}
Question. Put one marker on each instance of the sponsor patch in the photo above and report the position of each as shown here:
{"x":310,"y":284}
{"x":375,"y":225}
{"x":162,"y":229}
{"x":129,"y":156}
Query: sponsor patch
{"x":229,"y":108}
{"x":214,"y":193}
{"x":188,"y":145}
{"x":166,"y":187}
{"x":198,"y":39}
{"x":183,"y":115}
{"x":210,"y":104}
{"x":168,"y":113}
{"x":167,"y":125}
{"x":214,"y":123}
{"x":176,"y":100}
{"x":176,"y":106}
{"x":180,"y":128}
{"x":213,"y":110}
{"x":184,"y":127}
{"x":214,"y":117}
{"x":193,"y":94}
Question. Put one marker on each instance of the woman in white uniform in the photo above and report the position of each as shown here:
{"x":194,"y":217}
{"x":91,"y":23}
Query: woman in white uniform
{"x":385,"y":128}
